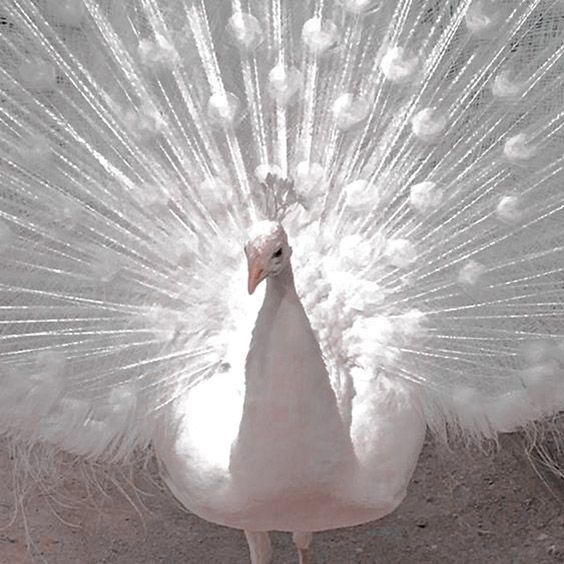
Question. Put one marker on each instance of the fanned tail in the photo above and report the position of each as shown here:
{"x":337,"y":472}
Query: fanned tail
{"x":415,"y":150}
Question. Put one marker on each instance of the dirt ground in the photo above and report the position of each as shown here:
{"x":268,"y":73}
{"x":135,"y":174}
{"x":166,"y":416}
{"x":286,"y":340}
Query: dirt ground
{"x":462,"y":507}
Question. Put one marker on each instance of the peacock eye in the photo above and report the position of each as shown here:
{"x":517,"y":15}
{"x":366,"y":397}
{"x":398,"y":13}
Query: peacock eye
{"x":277,"y":254}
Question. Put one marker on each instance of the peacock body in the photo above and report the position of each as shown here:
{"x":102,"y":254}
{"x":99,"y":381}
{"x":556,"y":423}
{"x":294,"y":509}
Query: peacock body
{"x":408,"y":157}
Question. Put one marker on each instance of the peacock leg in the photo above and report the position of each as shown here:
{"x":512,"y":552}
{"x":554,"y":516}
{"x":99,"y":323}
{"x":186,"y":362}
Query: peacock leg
{"x":303,"y":544}
{"x":259,"y":546}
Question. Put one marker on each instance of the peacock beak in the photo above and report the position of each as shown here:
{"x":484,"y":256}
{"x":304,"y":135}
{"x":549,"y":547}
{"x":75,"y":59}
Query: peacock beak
{"x":256,"y":274}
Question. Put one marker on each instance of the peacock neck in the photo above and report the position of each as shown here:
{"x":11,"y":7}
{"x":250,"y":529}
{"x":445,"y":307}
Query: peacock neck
{"x":281,"y":285}
{"x":290,"y":410}
{"x":284,"y":357}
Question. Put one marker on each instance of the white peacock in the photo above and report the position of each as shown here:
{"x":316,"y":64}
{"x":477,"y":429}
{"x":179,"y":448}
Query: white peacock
{"x":393,"y":170}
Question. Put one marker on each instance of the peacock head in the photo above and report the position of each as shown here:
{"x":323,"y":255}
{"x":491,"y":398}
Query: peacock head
{"x":268,"y":252}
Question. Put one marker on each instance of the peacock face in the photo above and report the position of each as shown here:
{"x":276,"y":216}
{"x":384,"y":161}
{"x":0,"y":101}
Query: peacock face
{"x":268,"y":252}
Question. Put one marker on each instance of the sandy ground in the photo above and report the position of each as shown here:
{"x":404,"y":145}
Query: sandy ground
{"x":462,"y":507}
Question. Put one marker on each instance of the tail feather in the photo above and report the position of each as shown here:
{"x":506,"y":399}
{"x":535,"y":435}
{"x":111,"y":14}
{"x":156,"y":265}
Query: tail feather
{"x":413,"y":148}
